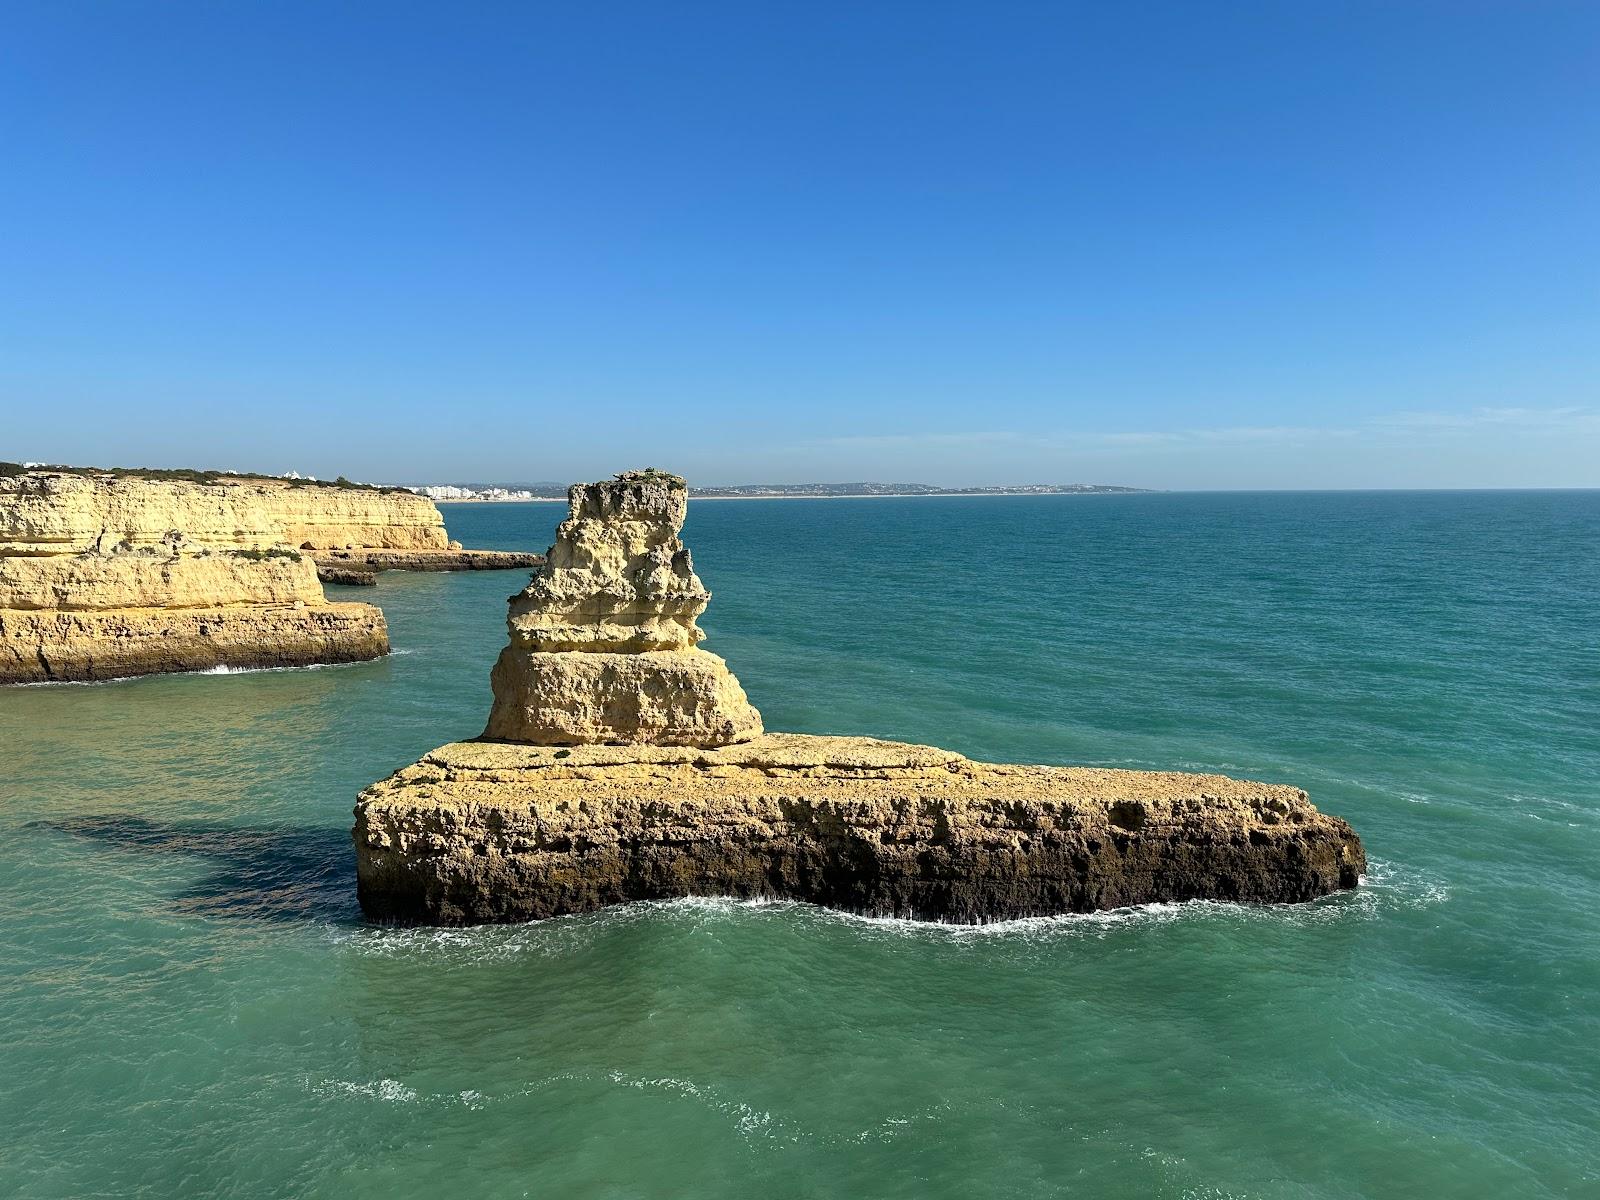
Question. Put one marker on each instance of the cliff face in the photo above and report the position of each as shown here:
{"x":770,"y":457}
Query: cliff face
{"x":54,"y":513}
{"x":686,"y":796}
{"x":150,"y":578}
{"x":101,"y":577}
{"x":44,"y":646}
{"x":480,"y":832}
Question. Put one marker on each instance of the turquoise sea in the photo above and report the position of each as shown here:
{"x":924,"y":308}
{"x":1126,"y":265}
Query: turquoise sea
{"x":190,"y":1004}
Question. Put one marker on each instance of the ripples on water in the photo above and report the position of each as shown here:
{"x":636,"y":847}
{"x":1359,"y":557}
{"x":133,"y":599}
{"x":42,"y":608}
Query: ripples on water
{"x":193,"y":1006}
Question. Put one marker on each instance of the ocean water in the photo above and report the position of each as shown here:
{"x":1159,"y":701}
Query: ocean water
{"x":190,"y":1003}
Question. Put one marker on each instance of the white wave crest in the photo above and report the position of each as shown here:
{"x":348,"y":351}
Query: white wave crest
{"x":1386,"y":887}
{"x":390,"y":1091}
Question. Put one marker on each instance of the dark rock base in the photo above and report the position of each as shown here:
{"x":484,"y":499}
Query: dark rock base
{"x":347,"y":576}
{"x":370,"y":561}
{"x":485,"y":832}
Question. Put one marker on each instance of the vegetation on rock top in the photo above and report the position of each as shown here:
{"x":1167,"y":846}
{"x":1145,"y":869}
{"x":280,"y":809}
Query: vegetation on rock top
{"x":653,"y":474}
{"x":271,"y":552}
{"x":188,"y":475}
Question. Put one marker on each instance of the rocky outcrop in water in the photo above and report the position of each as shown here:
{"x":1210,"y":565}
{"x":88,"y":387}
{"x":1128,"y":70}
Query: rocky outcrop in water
{"x":343,"y":566}
{"x":347,"y":574}
{"x":92,"y":586}
{"x":365,"y":528}
{"x":688,"y":797}
{"x":43,"y":646}
{"x":479,"y":831}
{"x":604,"y":645}
{"x":104,"y":574}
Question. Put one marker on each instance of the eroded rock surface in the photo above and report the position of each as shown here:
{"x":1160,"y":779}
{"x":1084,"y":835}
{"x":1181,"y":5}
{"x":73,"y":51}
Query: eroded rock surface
{"x":478,"y":832}
{"x":152,"y":578}
{"x":61,"y":512}
{"x":689,"y":797}
{"x":95,"y":583}
{"x":603,"y":639}
{"x":663,"y":697}
{"x":43,"y":646}
{"x":336,"y":565}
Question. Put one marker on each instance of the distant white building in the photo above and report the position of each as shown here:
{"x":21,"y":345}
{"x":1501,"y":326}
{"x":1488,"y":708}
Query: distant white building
{"x":446,"y":492}
{"x":449,"y":491}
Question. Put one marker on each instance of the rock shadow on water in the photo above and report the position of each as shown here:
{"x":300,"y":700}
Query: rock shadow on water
{"x":281,"y":873}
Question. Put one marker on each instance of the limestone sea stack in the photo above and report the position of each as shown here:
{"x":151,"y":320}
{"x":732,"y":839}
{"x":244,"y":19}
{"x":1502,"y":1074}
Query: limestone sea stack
{"x":622,"y":763}
{"x":604,"y":645}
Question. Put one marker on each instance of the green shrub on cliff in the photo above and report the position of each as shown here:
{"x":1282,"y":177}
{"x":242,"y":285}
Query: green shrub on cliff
{"x":189,"y":475}
{"x":259,"y":555}
{"x":652,"y":473}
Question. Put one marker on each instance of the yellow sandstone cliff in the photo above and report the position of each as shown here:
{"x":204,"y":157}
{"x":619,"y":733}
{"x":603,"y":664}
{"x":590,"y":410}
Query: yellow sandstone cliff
{"x":103,"y":576}
{"x":51,"y":512}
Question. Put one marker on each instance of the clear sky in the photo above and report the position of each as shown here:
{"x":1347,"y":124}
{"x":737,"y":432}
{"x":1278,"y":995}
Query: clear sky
{"x":1175,"y":245}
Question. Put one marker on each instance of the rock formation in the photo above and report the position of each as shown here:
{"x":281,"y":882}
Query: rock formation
{"x":348,"y":574}
{"x":686,"y":795}
{"x":343,"y":566}
{"x":46,"y":508}
{"x":342,"y":529}
{"x":604,"y":645}
{"x":93,"y":587}
{"x":480,"y":831}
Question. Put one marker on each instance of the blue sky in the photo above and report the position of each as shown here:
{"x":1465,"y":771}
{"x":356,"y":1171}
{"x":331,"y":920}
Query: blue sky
{"x":1178,"y":245}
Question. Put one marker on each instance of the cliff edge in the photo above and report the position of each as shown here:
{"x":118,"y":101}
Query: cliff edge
{"x":101,"y":577}
{"x":349,"y":532}
{"x":67,"y":509}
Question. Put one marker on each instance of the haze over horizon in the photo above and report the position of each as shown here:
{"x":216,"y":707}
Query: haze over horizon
{"x":1174,"y":247}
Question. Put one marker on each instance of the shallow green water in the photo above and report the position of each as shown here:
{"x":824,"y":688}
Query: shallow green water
{"x":190,"y":1003}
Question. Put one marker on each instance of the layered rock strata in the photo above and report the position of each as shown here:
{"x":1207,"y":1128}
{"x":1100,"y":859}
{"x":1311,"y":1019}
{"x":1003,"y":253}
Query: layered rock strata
{"x":42,"y":646}
{"x":604,"y":645}
{"x":336,"y":566}
{"x":687,"y":796}
{"x":382,"y":530}
{"x":481,"y":832}
{"x":93,"y":581}
{"x":91,"y":588}
{"x":51,"y":511}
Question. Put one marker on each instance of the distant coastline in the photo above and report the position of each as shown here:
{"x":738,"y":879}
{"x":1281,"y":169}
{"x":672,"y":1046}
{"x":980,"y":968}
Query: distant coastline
{"x":535,"y":493}
{"x":812,"y":496}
